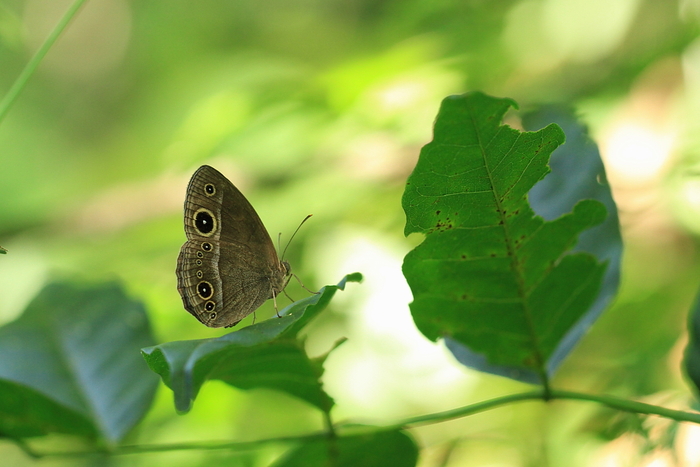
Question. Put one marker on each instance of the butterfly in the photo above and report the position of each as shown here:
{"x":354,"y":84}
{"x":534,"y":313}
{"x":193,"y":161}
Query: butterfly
{"x":228,"y":266}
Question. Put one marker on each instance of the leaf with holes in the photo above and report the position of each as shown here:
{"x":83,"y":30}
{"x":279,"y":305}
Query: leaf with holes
{"x":491,"y":275}
{"x":267,"y":354}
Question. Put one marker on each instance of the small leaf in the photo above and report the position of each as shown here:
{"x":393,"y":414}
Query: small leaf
{"x":266,"y":354}
{"x":379,"y":449}
{"x":68,"y":364}
{"x":491,"y":275}
{"x":2,"y":251}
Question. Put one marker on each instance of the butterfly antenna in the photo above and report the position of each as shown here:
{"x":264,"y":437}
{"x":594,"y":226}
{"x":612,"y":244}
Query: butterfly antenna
{"x":295,"y":232}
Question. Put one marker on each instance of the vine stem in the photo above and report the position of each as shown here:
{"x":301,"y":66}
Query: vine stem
{"x":331,"y":431}
{"x":32,"y":65}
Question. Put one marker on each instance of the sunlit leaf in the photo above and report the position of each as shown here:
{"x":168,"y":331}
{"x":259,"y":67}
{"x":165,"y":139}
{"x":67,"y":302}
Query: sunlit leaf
{"x":577,"y":173}
{"x":491,"y":275}
{"x":380,"y":449}
{"x":70,"y":364}
{"x":266,"y":354}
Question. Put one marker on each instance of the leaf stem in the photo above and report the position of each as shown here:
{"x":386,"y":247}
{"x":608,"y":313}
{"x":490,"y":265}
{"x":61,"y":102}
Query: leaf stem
{"x":333,"y":451}
{"x":32,"y":65}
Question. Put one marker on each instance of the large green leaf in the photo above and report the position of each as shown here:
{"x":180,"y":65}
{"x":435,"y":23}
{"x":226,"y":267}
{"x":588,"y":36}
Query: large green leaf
{"x":577,"y":173}
{"x":490,"y":274}
{"x":384,"y":448}
{"x":267,"y":354}
{"x":70,"y":364}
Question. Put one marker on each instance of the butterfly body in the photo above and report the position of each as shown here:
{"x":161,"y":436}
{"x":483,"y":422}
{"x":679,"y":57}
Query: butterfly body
{"x":228,"y":266}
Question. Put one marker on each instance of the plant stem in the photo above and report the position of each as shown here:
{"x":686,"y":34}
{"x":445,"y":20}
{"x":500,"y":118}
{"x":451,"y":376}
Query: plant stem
{"x":470,"y":409}
{"x":31,"y":66}
{"x":333,"y":452}
{"x":330,"y":433}
{"x":630,"y":406}
{"x":541,"y":394}
{"x":194,"y":446}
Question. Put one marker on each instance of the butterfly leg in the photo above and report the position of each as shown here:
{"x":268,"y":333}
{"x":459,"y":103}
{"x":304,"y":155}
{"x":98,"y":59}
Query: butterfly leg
{"x":274,"y":301}
{"x":287,"y":295}
{"x":303,"y":286}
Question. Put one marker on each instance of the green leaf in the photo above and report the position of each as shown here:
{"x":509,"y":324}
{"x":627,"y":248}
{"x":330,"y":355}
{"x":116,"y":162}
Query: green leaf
{"x":2,"y":251}
{"x":379,"y":449}
{"x":577,"y":173}
{"x":70,"y":364}
{"x":490,"y":274}
{"x":266,"y":354}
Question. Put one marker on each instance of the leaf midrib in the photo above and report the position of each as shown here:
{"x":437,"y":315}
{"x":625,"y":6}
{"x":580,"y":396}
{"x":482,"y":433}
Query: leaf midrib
{"x":515,"y":264}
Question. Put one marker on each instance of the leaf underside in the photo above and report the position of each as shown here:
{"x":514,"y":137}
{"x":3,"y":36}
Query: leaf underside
{"x":70,"y":364}
{"x":493,"y":277}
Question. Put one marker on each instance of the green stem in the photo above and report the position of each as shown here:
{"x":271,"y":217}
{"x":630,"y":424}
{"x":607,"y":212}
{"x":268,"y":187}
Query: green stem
{"x":195,"y":446}
{"x":541,"y":394}
{"x":330,"y":433}
{"x":470,"y":409}
{"x":333,"y":451}
{"x":30,"y":68}
{"x":630,"y":406}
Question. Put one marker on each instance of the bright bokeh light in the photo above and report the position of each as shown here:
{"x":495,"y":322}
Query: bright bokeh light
{"x":659,"y":459}
{"x":690,"y":191}
{"x":577,"y":30}
{"x":688,"y":444}
{"x":543,"y":35}
{"x":386,"y":365}
{"x":637,"y":152}
{"x":619,"y":452}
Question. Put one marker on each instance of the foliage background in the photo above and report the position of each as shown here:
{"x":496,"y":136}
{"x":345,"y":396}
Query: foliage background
{"x":321,"y":107}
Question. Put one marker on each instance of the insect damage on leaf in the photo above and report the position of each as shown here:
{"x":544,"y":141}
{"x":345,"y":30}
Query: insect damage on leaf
{"x":490,"y":274}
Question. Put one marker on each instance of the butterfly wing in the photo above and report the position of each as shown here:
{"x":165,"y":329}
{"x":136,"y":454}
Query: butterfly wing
{"x":228,"y":267}
{"x":221,"y":293}
{"x":234,"y":219}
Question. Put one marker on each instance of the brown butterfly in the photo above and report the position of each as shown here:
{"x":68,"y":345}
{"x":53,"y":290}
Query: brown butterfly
{"x":228,"y":266}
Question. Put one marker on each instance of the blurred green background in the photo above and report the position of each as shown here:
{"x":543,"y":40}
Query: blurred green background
{"x":321,"y":107}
